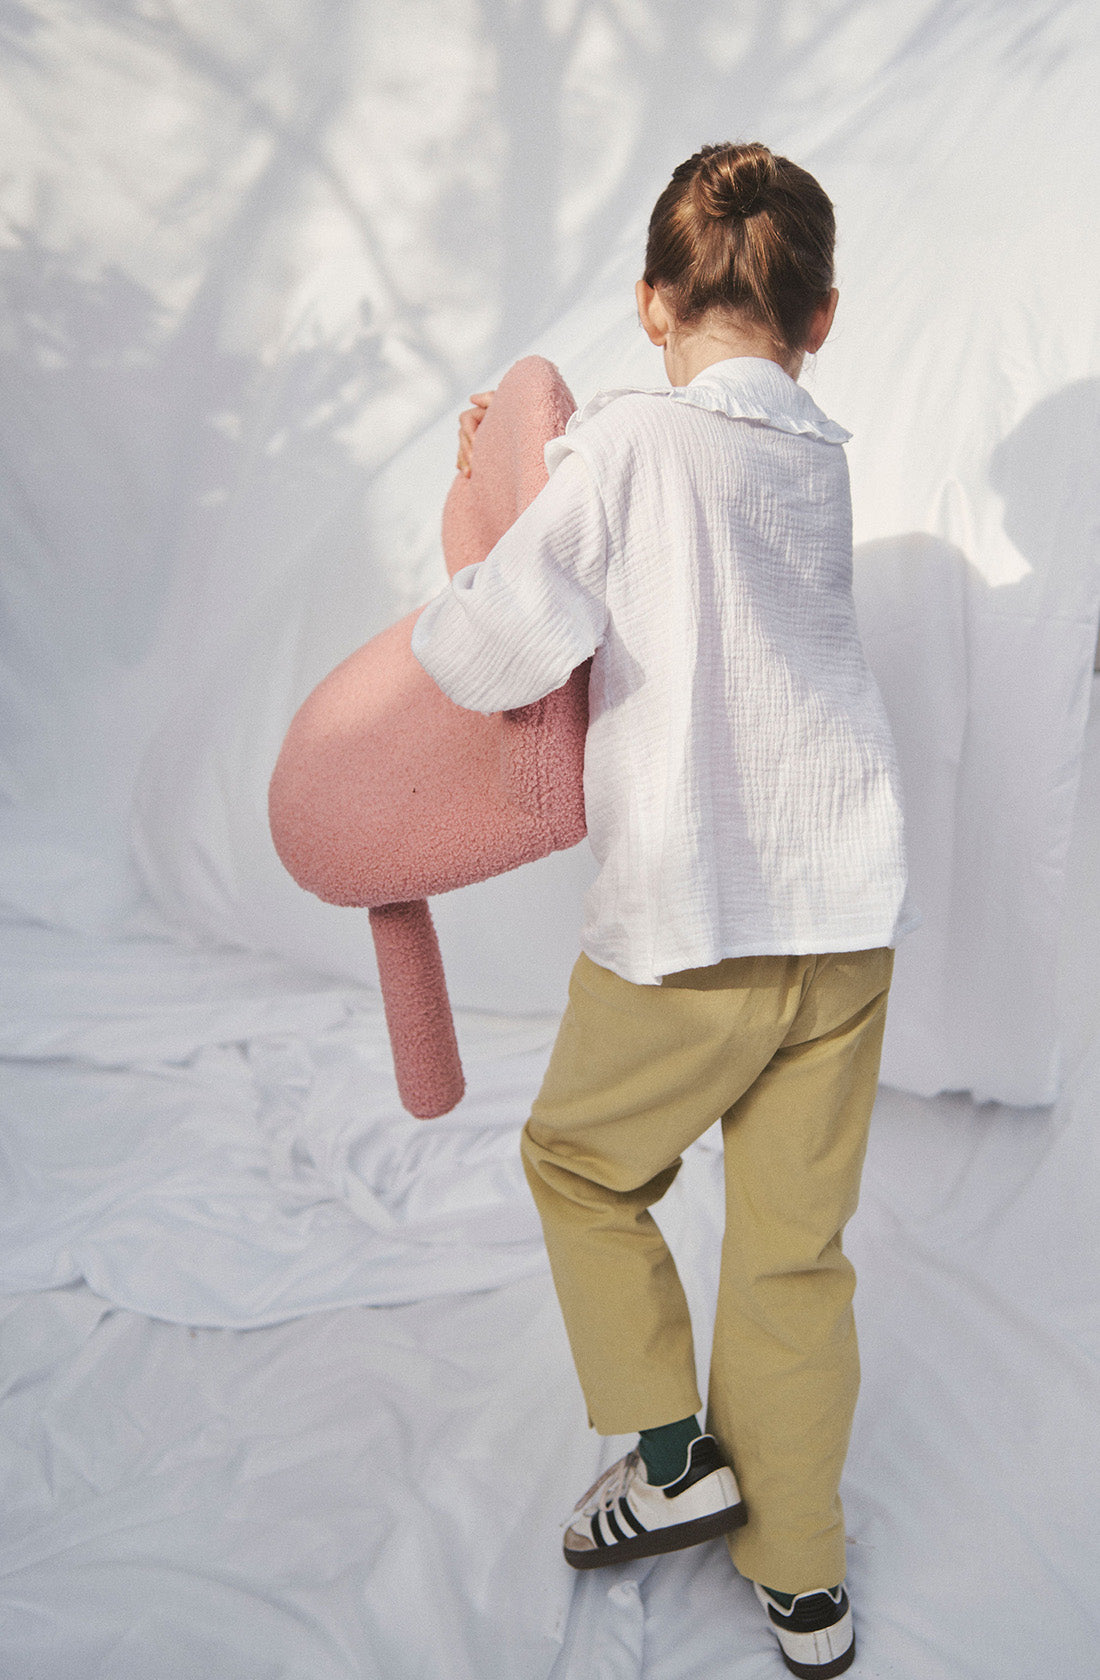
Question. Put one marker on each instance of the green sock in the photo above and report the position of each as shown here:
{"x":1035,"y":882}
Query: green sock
{"x":664,"y":1450}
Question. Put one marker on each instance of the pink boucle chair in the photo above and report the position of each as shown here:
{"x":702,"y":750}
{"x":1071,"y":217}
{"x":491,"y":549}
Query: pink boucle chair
{"x":385,"y":791}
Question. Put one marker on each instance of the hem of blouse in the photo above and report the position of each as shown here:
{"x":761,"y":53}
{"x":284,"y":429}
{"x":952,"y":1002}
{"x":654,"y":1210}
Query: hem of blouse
{"x":852,"y":941}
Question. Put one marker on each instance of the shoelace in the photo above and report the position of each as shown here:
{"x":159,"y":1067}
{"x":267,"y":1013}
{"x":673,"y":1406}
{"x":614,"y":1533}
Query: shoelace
{"x":605,"y":1493}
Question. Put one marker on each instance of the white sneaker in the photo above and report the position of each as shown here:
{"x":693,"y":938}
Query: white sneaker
{"x":623,"y":1516}
{"x":815,"y":1635}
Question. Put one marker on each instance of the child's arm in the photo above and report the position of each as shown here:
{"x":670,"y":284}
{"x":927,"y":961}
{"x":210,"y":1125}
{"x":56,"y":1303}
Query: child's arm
{"x":510,"y":630}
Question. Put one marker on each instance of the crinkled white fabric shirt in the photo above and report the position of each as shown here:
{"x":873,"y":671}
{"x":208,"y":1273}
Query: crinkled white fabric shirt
{"x":740,"y":782}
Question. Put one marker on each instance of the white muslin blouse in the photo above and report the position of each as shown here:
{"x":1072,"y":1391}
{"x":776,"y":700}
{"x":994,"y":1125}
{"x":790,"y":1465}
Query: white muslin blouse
{"x":740,"y":783}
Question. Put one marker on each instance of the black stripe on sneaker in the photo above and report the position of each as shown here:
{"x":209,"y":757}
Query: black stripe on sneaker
{"x":638,"y":1526}
{"x":609,"y":1518}
{"x":597,"y":1531}
{"x":703,"y":1459}
{"x":811,"y":1612}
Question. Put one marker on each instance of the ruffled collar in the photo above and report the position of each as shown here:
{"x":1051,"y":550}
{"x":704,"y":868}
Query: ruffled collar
{"x":745,"y":388}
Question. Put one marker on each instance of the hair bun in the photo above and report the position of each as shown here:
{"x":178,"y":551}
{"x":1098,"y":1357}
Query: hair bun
{"x":744,"y":231}
{"x":734,"y":183}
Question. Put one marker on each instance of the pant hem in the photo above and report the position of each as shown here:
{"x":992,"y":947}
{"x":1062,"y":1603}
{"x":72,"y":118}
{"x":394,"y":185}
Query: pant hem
{"x":651,"y":1416}
{"x":789,"y":1571}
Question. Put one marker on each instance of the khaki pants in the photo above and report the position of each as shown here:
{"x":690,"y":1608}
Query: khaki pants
{"x":786,"y":1050}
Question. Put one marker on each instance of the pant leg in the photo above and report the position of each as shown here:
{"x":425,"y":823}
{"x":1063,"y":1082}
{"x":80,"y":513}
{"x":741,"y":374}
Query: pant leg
{"x":785,"y":1366}
{"x":637,"y":1073}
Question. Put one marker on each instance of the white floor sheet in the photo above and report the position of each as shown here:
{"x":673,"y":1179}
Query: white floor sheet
{"x":284,"y":1393}
{"x":374,"y":1491}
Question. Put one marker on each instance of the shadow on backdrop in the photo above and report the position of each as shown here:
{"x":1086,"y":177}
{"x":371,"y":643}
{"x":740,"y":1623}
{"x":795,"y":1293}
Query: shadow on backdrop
{"x":988,"y":688}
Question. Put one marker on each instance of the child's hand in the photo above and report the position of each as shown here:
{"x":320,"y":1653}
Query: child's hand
{"x":468,"y":424}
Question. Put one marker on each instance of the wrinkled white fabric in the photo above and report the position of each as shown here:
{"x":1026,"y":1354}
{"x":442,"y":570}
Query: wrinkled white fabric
{"x":380,"y":1495}
{"x":226,"y":307}
{"x":213,"y":1139}
{"x":207,"y":503}
{"x":740,"y":782}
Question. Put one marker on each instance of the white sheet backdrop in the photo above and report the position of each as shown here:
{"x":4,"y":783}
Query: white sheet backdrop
{"x":251,"y":261}
{"x":249,"y":254}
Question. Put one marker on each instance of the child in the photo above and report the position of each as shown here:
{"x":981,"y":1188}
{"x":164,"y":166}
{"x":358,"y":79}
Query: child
{"x":742,"y":803}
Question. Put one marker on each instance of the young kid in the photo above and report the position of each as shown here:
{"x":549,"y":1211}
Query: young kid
{"x":742,"y":804}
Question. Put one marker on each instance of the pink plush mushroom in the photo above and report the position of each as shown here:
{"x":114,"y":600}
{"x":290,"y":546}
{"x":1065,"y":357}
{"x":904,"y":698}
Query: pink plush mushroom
{"x":385,"y":791}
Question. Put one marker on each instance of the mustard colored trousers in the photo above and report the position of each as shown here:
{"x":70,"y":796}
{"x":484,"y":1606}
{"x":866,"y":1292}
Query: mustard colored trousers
{"x":786,"y":1050}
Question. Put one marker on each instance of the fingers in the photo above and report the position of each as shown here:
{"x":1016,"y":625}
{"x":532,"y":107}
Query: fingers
{"x":468,"y":423}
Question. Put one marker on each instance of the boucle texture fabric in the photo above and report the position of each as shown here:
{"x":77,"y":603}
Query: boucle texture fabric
{"x":385,"y":791}
{"x":740,"y":779}
{"x":418,"y":1011}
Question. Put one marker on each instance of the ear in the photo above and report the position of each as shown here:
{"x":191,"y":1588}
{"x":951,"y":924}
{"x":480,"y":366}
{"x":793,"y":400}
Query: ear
{"x":652,"y":313}
{"x":820,"y":322}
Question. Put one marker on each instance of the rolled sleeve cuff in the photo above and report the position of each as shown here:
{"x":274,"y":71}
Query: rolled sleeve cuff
{"x":509,"y":630}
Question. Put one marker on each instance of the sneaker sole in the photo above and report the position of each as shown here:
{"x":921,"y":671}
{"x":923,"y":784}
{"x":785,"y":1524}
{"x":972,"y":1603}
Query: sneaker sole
{"x":821,"y":1671}
{"x":675,"y":1538}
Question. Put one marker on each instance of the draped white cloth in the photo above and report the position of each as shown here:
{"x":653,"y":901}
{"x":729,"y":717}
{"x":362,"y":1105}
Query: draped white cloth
{"x":358,"y":1495}
{"x":201,"y":526}
{"x":251,"y":261}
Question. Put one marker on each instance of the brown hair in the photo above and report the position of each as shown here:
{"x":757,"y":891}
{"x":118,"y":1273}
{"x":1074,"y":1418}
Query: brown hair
{"x":740,"y":229}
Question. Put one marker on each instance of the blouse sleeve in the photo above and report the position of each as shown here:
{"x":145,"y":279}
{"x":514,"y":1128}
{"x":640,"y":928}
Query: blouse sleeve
{"x":510,"y":629}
